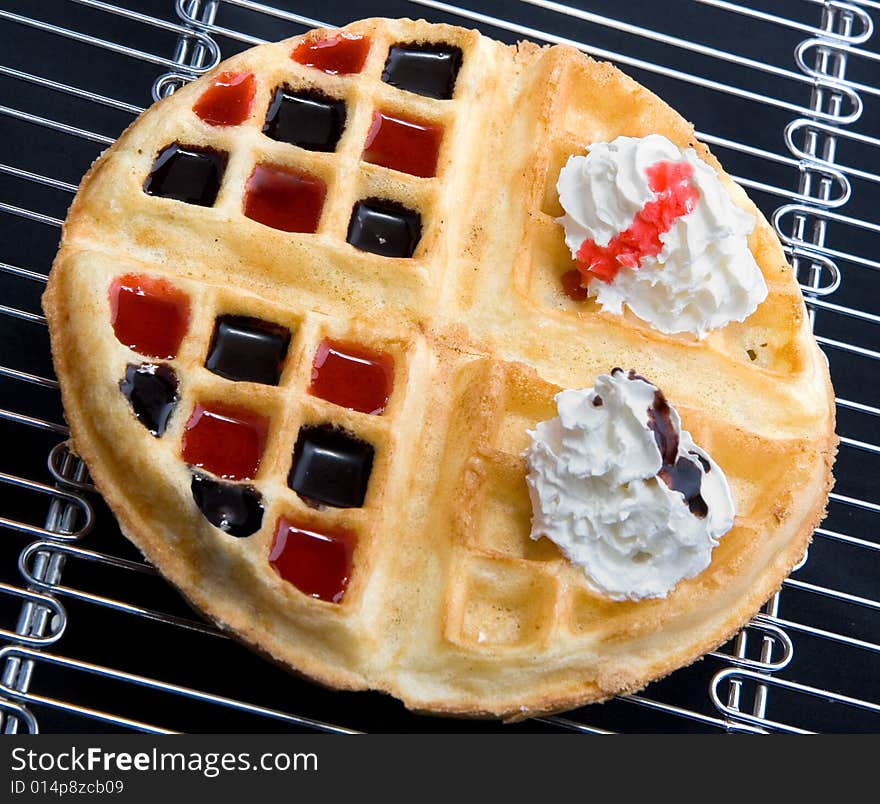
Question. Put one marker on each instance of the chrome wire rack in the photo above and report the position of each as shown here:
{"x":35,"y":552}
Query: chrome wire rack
{"x":93,"y":639}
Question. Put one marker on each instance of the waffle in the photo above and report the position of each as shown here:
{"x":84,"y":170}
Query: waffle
{"x":381,"y":541}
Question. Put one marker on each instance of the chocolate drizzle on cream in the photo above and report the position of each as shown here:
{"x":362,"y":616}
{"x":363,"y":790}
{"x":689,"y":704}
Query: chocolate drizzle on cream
{"x":681,"y":474}
{"x":621,"y":488}
{"x":684,"y":477}
{"x":678,"y":472}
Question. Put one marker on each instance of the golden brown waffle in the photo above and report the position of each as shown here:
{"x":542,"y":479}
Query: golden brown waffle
{"x":450,"y":606}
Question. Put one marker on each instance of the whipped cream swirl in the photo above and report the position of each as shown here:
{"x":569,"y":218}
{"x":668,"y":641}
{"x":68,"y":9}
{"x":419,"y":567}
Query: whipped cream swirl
{"x":624,"y":491}
{"x":705,"y":275}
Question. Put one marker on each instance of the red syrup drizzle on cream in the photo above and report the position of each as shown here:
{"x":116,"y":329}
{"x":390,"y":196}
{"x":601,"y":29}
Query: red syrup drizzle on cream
{"x":676,"y":196}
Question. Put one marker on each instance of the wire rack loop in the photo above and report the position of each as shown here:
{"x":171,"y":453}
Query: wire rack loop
{"x":60,"y":553}
{"x":57,"y":619}
{"x":826,"y":267}
{"x":19,"y":715}
{"x":821,"y":177}
{"x":21,"y":654}
{"x":65,"y":532}
{"x":820,"y":48}
{"x":771,"y":664}
{"x":739,"y":675}
{"x":66,"y":468}
{"x":812,"y":129}
{"x":816,"y":218}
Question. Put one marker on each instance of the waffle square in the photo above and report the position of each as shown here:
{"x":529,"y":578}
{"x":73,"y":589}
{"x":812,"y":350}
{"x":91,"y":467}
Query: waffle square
{"x":303,"y":315}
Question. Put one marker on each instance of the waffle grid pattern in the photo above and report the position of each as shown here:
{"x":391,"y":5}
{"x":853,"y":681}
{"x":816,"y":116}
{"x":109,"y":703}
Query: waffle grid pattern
{"x":348,"y":178}
{"x":287,"y":407}
{"x":508,"y":592}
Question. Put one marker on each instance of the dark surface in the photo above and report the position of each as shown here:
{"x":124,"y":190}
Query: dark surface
{"x":234,"y":508}
{"x":248,"y":350}
{"x":331,"y":466}
{"x":188,"y":174}
{"x":310,"y":120}
{"x":213,"y":663}
{"x":428,"y":70}
{"x":152,"y":393}
{"x":385,"y":228}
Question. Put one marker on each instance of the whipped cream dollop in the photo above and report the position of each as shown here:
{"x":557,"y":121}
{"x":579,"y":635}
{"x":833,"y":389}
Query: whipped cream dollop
{"x":703,"y":277}
{"x":624,"y":491}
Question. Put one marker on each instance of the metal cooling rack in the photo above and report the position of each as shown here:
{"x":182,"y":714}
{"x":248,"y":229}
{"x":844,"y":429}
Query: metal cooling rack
{"x":92,"y":638}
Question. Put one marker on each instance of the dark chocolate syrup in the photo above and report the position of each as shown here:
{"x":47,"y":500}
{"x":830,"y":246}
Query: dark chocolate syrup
{"x":426,"y":68}
{"x":384,"y":227}
{"x":705,"y":464}
{"x":246,"y":349}
{"x":685,"y":477}
{"x":234,"y":508}
{"x":631,"y":374}
{"x":660,"y":421}
{"x":151,"y":390}
{"x":308,"y":119}
{"x":330,"y":466}
{"x":679,"y":473}
{"x":187,"y":173}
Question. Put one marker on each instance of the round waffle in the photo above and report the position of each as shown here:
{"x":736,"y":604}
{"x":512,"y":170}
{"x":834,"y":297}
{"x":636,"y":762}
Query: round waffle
{"x":305,"y":311}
